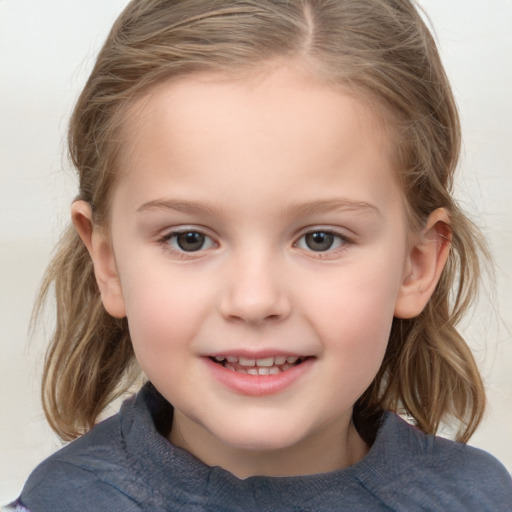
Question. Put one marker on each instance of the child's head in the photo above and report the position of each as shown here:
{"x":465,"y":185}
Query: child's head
{"x":371,"y":62}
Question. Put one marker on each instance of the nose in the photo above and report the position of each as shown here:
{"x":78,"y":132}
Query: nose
{"x":255,"y":291}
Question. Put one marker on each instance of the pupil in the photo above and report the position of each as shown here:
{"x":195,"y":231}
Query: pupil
{"x":191,"y":241}
{"x":319,"y":241}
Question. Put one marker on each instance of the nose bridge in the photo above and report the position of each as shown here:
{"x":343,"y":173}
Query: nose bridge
{"x":254,"y":288}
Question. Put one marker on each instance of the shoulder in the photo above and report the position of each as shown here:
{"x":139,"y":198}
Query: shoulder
{"x":122,"y":464}
{"x":90,"y":473}
{"x":437,"y":473}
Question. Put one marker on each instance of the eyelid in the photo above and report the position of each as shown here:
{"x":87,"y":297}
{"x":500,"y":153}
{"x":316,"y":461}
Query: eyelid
{"x":164,"y":241}
{"x":345,"y":239}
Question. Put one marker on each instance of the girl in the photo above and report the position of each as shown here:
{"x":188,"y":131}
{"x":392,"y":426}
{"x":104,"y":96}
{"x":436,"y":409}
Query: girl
{"x":265,"y":229}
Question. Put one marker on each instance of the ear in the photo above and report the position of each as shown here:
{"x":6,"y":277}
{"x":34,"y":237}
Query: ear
{"x":102,"y":255}
{"x":425,"y":262}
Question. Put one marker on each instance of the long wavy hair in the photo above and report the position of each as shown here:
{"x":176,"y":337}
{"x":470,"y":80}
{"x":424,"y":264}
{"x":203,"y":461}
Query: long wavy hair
{"x":379,"y":49}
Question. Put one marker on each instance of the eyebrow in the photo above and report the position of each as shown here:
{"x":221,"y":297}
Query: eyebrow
{"x":306,"y":208}
{"x":329,"y":205}
{"x":185,"y":206}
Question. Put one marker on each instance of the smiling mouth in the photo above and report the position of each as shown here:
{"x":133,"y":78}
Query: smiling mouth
{"x":261,"y":366}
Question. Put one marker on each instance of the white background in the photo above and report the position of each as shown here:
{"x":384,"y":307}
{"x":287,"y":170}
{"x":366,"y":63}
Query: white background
{"x":47,"y":48}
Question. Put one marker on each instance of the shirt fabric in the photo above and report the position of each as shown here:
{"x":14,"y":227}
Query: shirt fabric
{"x":124,"y":464}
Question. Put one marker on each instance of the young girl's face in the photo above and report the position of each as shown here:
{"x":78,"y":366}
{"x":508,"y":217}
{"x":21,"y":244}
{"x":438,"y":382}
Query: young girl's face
{"x":260,"y":251}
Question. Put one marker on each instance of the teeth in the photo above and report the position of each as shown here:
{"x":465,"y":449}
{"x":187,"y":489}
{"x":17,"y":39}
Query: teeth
{"x":268,"y":361}
{"x":261,"y":366}
{"x":264,"y":371}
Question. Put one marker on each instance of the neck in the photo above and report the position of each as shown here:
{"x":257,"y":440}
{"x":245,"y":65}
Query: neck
{"x":334,"y":449}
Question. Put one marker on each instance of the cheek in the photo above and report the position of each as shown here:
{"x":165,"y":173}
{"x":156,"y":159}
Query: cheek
{"x":355,"y":334}
{"x":353,"y":313}
{"x":163,"y":312}
{"x":359,"y":297}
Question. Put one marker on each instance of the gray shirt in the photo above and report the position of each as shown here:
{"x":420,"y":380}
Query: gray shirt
{"x":125,"y":464}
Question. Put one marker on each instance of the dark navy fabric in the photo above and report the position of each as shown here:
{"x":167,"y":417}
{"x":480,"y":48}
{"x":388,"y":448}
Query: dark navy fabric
{"x":124,"y":464}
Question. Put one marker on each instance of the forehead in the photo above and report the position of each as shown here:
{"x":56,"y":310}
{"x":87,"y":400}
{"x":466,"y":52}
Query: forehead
{"x":290,"y":89}
{"x":269,"y":130}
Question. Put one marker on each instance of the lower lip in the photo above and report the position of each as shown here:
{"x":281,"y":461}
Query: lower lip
{"x":258,"y":385}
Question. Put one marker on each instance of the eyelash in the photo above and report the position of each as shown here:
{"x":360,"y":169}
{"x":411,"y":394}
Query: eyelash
{"x":341,"y":240}
{"x":166,"y":242}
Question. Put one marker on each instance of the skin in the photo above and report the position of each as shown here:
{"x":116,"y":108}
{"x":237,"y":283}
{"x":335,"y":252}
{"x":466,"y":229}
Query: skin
{"x":255,"y":165}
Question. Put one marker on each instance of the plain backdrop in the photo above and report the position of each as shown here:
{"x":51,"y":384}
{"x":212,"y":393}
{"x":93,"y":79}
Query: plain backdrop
{"x":47,"y":48}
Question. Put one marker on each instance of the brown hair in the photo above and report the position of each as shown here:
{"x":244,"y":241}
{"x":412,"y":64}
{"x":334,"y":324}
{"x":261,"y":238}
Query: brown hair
{"x":378,"y":48}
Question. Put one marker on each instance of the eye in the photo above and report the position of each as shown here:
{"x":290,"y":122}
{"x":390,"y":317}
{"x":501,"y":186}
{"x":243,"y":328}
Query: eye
{"x":189,"y":241}
{"x":321,"y":241}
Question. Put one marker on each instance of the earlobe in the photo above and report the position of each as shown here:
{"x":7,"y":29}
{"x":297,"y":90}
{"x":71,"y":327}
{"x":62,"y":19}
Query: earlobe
{"x":102,"y":255}
{"x":426,"y":260}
